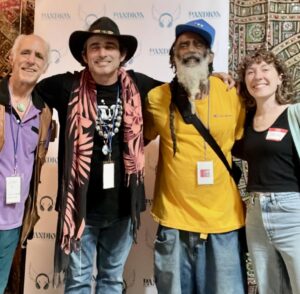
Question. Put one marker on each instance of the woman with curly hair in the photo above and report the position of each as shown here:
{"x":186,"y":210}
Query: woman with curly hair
{"x":271,"y":146}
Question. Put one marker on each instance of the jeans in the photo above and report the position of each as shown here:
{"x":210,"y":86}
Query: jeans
{"x":8,"y":243}
{"x":112,"y":245}
{"x":273,"y":237}
{"x":187,"y":264}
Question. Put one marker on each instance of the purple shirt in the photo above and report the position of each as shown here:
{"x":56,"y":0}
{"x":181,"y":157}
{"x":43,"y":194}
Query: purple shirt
{"x":11,"y":215}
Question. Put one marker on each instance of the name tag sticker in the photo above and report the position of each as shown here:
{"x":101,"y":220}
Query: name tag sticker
{"x":205,"y":173}
{"x":108,"y":175}
{"x":13,"y":189}
{"x":276,"y":134}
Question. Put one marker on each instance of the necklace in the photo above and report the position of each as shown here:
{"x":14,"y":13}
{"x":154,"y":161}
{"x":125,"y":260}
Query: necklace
{"x":108,"y":123}
{"x":21,"y":107}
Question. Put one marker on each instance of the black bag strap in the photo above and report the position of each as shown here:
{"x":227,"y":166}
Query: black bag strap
{"x":179,"y":98}
{"x":210,"y":140}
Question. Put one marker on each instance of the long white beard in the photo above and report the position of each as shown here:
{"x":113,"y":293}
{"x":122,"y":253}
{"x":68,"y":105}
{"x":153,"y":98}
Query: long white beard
{"x":193,"y":78}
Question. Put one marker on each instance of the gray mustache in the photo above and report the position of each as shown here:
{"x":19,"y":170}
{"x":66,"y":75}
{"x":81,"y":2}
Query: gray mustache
{"x":195,"y":58}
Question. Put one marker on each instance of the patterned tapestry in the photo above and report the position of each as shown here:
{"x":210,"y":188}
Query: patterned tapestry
{"x":16,"y":16}
{"x":273,"y":24}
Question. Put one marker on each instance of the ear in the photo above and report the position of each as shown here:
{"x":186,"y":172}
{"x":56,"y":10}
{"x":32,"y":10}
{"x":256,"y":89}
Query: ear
{"x":280,"y":79}
{"x":84,"y":57}
{"x":10,"y":59}
{"x":211,"y":57}
{"x":123,"y":56}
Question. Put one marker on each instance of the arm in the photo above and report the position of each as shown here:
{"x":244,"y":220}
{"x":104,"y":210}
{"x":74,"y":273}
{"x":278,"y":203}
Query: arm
{"x":144,"y":83}
{"x":55,"y":90}
{"x":150,"y":132}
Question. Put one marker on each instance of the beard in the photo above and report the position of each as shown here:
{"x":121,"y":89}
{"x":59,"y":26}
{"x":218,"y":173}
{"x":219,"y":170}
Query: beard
{"x":192,"y":72}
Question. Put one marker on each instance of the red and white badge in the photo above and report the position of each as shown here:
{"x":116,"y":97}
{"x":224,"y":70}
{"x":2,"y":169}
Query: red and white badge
{"x":276,"y":134}
{"x":205,"y":172}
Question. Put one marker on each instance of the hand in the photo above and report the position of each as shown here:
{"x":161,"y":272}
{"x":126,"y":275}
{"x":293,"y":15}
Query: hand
{"x":226,"y":78}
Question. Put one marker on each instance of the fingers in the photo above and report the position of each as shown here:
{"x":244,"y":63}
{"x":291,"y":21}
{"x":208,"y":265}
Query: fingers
{"x":226,"y":78}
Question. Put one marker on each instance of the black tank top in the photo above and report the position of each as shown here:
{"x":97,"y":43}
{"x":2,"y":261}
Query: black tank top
{"x":273,"y":165}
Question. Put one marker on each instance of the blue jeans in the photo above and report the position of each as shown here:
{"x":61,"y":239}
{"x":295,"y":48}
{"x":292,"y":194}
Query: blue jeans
{"x":112,"y":245}
{"x":273,"y":237}
{"x":8,"y":243}
{"x":187,"y":264}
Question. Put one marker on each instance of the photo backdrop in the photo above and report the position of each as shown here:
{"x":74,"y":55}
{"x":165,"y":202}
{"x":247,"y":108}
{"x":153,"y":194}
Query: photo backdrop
{"x":153,"y":23}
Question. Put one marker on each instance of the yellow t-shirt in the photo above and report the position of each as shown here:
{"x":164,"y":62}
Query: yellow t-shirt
{"x":179,"y":202}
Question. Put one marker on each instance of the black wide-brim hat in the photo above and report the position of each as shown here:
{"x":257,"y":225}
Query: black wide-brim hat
{"x":102,"y":26}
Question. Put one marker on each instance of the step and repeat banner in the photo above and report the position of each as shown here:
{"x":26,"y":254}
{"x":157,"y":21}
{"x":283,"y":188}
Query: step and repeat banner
{"x":153,"y":23}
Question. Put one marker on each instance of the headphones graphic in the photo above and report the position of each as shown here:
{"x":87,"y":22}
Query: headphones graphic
{"x":165,"y":20}
{"x":46,"y":203}
{"x":55,"y":56}
{"x":42,"y":278}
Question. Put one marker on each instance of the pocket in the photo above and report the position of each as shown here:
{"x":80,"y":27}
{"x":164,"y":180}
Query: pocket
{"x":165,"y":240}
{"x":289,"y":202}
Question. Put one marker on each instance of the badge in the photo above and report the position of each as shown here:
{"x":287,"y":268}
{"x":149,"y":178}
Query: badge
{"x":276,"y":134}
{"x":205,"y":172}
{"x":13,"y":189}
{"x":108,"y":174}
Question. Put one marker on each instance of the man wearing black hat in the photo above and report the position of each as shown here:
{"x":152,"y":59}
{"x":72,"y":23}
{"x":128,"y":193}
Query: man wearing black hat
{"x":196,"y":201}
{"x":101,"y":157}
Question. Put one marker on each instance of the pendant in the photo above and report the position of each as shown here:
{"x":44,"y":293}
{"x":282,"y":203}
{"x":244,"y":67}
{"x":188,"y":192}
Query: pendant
{"x":105,"y":149}
{"x":21,"y":107}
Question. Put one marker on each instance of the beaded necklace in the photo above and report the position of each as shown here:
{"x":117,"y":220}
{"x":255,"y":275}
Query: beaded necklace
{"x":108,"y":123}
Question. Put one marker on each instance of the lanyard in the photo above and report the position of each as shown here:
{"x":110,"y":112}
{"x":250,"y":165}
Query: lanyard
{"x":208,"y":110}
{"x":15,"y":141}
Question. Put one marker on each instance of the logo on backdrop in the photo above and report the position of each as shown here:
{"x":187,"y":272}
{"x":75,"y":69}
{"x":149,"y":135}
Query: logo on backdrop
{"x":148,"y":282}
{"x":46,"y":203}
{"x":149,"y":201}
{"x":159,"y":51}
{"x":55,"y":16}
{"x":90,"y":11}
{"x":133,"y":15}
{"x":164,"y":18}
{"x":52,"y":159}
{"x":41,"y":280}
{"x":44,"y":235}
{"x":207,"y":14}
{"x":56,"y":55}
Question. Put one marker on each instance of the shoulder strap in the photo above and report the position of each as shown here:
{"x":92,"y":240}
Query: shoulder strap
{"x":211,"y":141}
{"x":44,"y":132}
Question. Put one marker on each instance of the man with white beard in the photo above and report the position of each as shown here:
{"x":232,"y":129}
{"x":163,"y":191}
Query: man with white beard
{"x":196,"y":201}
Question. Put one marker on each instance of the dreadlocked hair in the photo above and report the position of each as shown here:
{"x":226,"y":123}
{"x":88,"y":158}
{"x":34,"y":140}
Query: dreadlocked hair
{"x":172,"y":127}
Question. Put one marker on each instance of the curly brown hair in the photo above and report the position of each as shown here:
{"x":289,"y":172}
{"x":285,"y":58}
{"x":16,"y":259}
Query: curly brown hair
{"x":284,"y":94}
